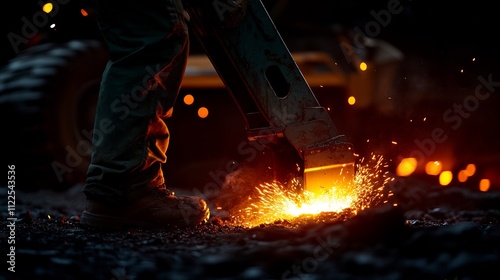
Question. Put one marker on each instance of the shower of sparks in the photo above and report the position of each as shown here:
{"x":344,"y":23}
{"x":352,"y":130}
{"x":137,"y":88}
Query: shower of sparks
{"x":275,"y":201}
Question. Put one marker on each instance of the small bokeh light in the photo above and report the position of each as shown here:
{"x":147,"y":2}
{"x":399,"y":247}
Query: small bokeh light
{"x":433,"y":167}
{"x":484,"y":185}
{"x":445,"y":178}
{"x":351,"y":100}
{"x":406,"y":167}
{"x":47,"y":7}
{"x":363,"y":66}
{"x":470,"y":170}
{"x":188,"y":99}
{"x":203,"y":112}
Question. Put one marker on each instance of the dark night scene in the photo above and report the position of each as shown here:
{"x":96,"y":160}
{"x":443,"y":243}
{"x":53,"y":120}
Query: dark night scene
{"x":250,"y":139}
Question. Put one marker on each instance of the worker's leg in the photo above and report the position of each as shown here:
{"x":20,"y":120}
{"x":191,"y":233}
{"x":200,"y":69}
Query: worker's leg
{"x":148,"y":45}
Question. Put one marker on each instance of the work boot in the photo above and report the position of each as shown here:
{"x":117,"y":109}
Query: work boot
{"x":159,"y":209}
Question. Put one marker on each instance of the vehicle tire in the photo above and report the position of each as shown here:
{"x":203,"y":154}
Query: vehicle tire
{"x":48,"y":95}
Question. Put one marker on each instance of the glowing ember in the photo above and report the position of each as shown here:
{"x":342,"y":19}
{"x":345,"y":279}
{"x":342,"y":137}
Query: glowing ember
{"x":276,"y":201}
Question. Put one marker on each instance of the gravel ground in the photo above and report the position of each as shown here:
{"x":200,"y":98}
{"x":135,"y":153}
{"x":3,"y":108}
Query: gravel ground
{"x":432,"y":233}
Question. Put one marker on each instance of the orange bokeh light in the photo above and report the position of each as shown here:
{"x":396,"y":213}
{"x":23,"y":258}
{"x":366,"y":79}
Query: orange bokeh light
{"x":462,"y":176}
{"x":363,"y":66}
{"x":406,"y":167}
{"x":470,"y":169}
{"x":484,"y":185}
{"x":47,"y":7}
{"x":188,"y":99}
{"x":351,"y":100}
{"x":433,"y":167}
{"x":202,"y":112}
{"x":445,"y":178}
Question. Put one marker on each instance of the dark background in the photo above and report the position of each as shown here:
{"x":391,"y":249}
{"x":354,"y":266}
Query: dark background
{"x":445,"y":29}
{"x":438,"y":40}
{"x":433,"y":233}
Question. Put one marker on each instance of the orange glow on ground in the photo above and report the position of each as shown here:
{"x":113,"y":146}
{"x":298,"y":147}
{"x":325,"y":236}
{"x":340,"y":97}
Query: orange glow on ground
{"x":84,"y":13}
{"x":278,"y":202}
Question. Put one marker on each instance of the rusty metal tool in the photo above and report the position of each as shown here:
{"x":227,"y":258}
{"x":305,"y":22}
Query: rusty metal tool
{"x":246,"y":49}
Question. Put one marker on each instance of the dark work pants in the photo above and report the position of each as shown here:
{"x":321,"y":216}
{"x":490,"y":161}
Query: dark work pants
{"x":148,"y":44}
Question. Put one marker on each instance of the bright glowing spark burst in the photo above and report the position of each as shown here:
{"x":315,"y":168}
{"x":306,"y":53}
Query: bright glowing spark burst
{"x":276,"y":201}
